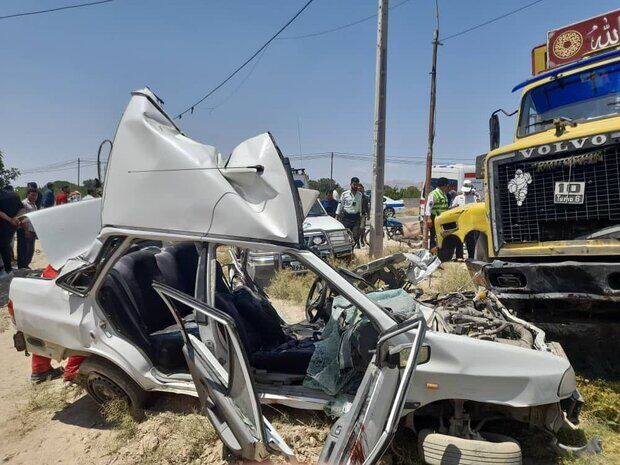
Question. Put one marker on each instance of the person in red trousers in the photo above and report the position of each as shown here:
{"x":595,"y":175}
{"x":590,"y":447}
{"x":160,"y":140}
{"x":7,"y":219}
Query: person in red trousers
{"x":42,"y":366}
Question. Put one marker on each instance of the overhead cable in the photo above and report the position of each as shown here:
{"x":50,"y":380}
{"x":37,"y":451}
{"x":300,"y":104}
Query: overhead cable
{"x":52,"y":10}
{"x":497,"y":18}
{"x":343,"y":26}
{"x":245,"y":63}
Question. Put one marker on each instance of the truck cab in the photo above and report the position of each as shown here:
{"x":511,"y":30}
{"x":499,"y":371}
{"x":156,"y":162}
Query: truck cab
{"x":552,"y":215}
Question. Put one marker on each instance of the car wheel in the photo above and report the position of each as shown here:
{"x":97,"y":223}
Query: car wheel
{"x":105,"y":382}
{"x":388,"y":212}
{"x":481,"y":252}
{"x":441,"y":449}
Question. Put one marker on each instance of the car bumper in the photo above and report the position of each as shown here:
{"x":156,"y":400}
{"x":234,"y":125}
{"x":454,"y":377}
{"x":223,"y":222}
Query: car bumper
{"x":567,"y":280}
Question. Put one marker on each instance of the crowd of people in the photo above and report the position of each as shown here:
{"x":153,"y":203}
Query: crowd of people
{"x":352,"y":209}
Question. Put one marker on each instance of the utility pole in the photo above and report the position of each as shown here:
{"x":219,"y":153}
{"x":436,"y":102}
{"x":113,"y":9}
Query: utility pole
{"x":78,"y":184}
{"x":331,"y":170}
{"x":431,"y":125}
{"x":378,"y":163}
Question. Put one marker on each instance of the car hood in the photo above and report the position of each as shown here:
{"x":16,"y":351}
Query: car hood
{"x":325,"y":223}
{"x":67,"y":231}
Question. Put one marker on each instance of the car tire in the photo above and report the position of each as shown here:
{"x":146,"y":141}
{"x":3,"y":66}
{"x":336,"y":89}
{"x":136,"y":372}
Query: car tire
{"x":441,"y":449}
{"x":388,"y":212}
{"x":105,"y":382}
{"x":481,"y":252}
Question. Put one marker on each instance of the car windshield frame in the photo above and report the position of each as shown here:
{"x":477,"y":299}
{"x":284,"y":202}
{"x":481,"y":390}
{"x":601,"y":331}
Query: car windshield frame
{"x":568,"y":94}
{"x":316,"y":210}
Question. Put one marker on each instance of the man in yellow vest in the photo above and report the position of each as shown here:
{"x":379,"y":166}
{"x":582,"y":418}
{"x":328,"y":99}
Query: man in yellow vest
{"x":436,"y":204}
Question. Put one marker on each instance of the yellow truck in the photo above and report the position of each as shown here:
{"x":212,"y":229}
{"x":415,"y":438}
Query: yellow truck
{"x":549,"y":228}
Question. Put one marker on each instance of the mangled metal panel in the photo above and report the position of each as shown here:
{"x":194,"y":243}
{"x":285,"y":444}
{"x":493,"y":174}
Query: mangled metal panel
{"x":67,"y":231}
{"x":158,"y":179}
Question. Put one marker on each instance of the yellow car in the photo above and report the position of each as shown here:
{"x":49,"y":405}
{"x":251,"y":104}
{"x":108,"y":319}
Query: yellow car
{"x":462,"y":226}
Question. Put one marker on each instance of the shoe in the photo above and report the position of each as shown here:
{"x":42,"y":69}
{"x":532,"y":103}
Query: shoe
{"x":6,"y":275}
{"x":54,"y":373}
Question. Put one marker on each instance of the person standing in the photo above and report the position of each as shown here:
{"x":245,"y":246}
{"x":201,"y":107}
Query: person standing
{"x":63,"y":196}
{"x":365,"y":215}
{"x":330,"y":204}
{"x":26,"y":236}
{"x":39,"y":200}
{"x":349,"y":209}
{"x":48,"y":196}
{"x":10,"y":205}
{"x":436,"y":204}
{"x":468,"y":195}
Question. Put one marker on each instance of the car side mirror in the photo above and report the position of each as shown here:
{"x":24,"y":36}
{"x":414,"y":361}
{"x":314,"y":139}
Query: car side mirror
{"x":494,"y":131}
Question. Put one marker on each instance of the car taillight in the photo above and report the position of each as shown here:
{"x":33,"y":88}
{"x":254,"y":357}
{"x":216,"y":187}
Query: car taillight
{"x":9,"y":306}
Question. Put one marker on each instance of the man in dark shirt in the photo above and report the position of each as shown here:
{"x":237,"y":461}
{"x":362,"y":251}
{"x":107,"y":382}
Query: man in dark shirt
{"x":10,"y":205}
{"x":330,"y":204}
{"x":48,"y":196}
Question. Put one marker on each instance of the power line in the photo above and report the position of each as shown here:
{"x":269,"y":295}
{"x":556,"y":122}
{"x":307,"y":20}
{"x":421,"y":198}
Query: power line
{"x":478,"y":26}
{"x":245,"y":63}
{"x":51,"y":10}
{"x":339,"y":28}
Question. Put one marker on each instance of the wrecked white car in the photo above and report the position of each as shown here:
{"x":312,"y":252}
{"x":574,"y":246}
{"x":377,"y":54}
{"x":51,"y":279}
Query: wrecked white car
{"x":152,"y":304}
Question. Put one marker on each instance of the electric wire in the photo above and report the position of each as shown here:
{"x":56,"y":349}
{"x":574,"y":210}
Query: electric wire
{"x":52,"y":10}
{"x":246,"y":62}
{"x":339,"y":28}
{"x":497,"y":18}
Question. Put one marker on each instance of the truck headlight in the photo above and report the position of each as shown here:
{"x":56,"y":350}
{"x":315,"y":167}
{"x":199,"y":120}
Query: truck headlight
{"x":568,"y":383}
{"x":318,"y":240}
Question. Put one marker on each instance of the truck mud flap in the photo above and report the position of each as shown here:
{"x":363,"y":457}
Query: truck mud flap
{"x":19,"y":342}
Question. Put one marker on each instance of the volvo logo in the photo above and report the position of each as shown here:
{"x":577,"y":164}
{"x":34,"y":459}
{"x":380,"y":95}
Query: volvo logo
{"x":565,"y":145}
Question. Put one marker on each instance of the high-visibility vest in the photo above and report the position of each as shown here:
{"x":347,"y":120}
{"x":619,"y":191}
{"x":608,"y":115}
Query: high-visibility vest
{"x":440,"y":203}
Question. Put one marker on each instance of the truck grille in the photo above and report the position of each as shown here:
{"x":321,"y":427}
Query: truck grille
{"x":539,"y":219}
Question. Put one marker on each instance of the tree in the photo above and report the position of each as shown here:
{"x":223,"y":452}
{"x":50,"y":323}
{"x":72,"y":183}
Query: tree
{"x":7,"y":175}
{"x":323,"y":185}
{"x":90,"y":183}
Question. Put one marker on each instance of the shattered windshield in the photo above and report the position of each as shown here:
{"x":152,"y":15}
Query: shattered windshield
{"x":584,"y":96}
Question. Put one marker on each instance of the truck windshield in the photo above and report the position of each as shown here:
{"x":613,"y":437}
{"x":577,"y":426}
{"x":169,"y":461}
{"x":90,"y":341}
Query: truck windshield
{"x":584,"y":96}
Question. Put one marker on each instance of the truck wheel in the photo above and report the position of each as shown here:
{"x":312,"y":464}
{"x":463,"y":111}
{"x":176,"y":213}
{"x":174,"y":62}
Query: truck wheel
{"x":389,"y":212}
{"x":482,"y":250}
{"x":441,"y":449}
{"x":105,"y":382}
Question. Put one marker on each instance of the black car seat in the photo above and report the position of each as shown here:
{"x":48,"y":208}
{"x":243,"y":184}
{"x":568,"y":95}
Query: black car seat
{"x":127,"y":297}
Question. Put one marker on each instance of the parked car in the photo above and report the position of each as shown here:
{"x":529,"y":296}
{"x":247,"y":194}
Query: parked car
{"x":325,"y":235}
{"x":146,"y":298}
{"x":390,"y":206}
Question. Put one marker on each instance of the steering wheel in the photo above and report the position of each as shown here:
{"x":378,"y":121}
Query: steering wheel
{"x":315,"y":303}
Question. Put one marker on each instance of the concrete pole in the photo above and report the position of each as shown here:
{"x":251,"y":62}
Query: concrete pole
{"x":378,"y":164}
{"x":78,"y":183}
{"x":431,"y":129}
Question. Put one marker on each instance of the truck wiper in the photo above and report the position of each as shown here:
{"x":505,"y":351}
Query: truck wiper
{"x":560,"y":124}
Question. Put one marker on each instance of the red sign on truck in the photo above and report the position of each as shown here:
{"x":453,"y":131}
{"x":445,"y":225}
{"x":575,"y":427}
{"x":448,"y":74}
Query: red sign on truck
{"x":571,"y":43}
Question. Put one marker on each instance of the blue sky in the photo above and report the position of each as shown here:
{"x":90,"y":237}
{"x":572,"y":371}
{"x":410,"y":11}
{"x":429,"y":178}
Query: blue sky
{"x":66,"y":77}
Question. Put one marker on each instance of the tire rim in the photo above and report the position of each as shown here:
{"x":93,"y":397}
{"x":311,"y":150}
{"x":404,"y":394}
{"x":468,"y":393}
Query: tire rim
{"x":104,"y":390}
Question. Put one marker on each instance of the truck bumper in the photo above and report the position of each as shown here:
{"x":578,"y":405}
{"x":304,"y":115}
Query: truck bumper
{"x":567,"y":280}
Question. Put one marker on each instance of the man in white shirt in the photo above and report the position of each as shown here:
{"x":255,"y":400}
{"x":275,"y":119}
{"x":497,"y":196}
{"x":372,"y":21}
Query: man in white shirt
{"x":350,"y":208}
{"x":468,"y":195}
{"x":26,"y":236}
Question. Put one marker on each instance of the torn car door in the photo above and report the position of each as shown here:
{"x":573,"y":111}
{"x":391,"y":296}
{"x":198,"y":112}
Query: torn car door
{"x":362,"y":435}
{"x":225,"y":387}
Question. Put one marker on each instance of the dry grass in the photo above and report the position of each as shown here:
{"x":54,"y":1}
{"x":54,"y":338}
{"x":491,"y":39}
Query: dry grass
{"x":451,"y":277}
{"x":116,"y":412}
{"x":411,"y":211}
{"x":292,"y":287}
{"x":5,"y":319}
{"x":51,"y":397}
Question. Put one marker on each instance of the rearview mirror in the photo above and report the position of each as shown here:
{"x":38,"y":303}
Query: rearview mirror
{"x":494,"y":131}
